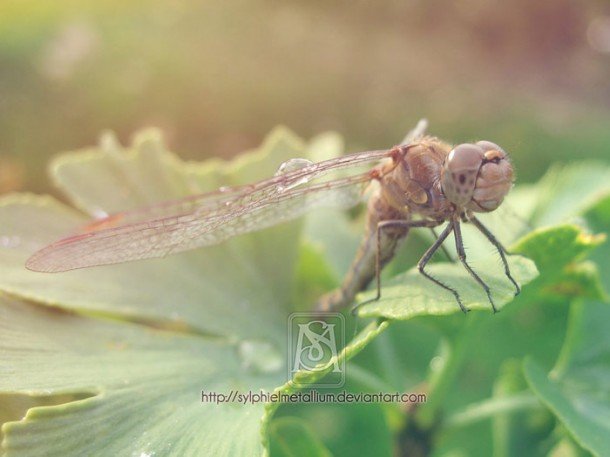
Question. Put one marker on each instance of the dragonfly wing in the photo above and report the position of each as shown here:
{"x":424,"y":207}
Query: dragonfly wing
{"x":231,"y":197}
{"x":210,"y":218}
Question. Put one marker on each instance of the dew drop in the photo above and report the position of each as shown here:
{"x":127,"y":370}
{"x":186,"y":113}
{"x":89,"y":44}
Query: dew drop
{"x":290,"y":166}
{"x":437,"y":363}
{"x":99,"y":213}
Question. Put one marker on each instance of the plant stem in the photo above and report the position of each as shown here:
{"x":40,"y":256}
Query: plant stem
{"x":368,"y":380}
{"x":487,"y":408}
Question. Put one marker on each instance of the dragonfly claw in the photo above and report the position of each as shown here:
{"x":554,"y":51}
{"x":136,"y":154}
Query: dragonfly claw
{"x":365,"y":302}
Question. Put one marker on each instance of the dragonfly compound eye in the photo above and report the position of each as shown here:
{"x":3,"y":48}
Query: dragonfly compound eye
{"x":494,"y":180}
{"x":460,"y":171}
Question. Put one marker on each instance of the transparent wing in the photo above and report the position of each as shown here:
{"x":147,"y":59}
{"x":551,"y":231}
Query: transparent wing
{"x":208,"y":219}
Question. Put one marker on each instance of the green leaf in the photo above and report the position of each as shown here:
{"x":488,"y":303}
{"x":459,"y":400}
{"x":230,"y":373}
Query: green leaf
{"x":143,"y":388}
{"x":559,"y":252}
{"x":290,"y":437}
{"x":566,"y":190}
{"x":410,"y":294}
{"x":576,"y":391}
{"x":555,"y":247}
{"x":598,"y":214}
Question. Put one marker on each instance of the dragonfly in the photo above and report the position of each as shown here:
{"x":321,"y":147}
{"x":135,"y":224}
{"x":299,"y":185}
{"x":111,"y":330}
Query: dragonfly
{"x":422,"y":183}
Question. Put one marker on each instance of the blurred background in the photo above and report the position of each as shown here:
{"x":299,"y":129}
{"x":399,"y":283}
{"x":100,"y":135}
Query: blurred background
{"x":216,"y":76}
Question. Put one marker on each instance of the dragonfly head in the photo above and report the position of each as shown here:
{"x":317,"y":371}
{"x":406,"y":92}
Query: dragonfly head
{"x":477,"y":176}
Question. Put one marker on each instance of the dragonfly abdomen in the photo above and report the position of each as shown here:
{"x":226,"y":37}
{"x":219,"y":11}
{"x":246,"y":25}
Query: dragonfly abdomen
{"x":363,"y":268}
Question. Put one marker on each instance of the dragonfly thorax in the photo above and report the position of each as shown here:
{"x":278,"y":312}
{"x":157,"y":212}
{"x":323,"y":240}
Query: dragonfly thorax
{"x":413,"y":183}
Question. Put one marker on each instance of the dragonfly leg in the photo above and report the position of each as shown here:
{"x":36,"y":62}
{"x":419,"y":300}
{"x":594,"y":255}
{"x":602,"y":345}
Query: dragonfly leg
{"x":421,"y":265}
{"x":499,"y":247}
{"x":445,"y":251}
{"x":383,"y":225}
{"x":459,"y":245}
